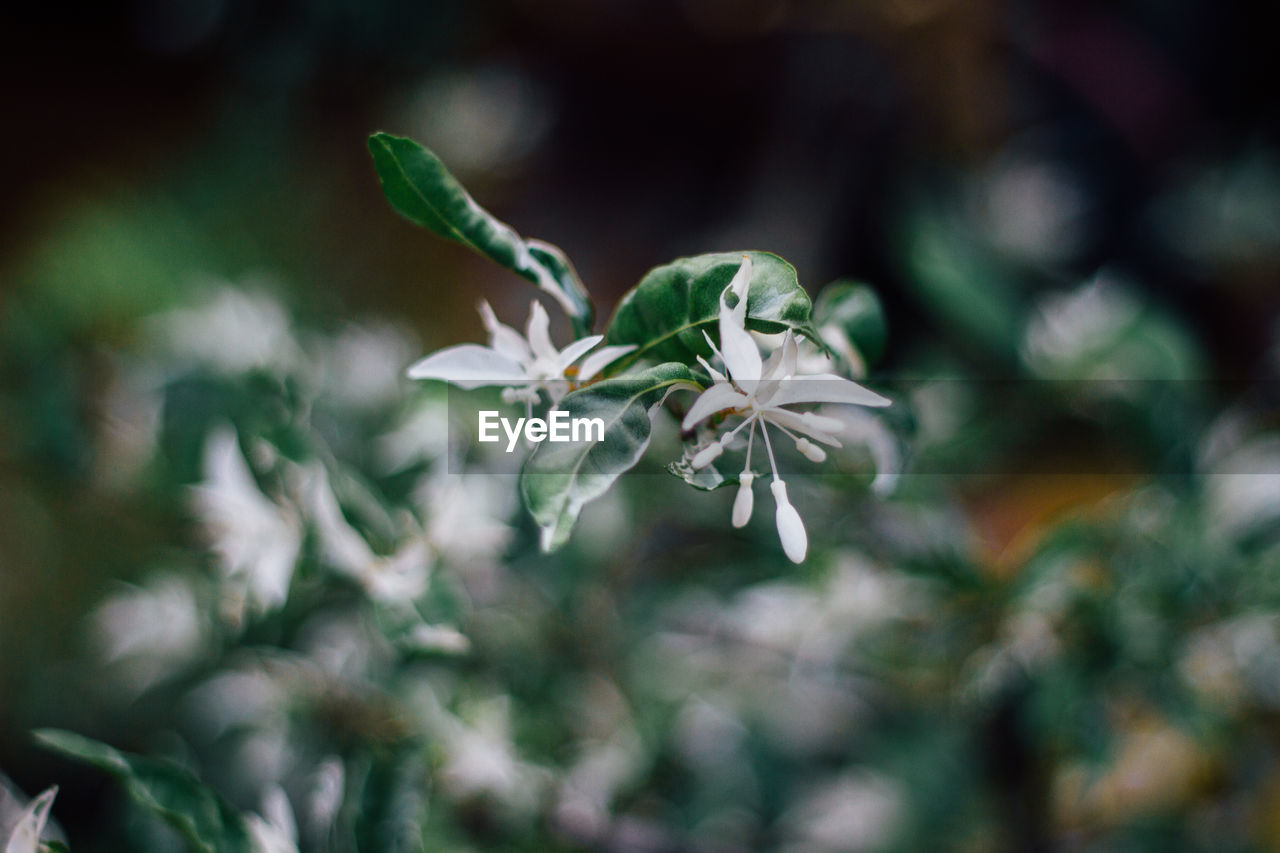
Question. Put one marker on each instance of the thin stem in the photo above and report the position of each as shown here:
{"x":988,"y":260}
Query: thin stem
{"x":764,"y":430}
{"x":728,"y":436}
{"x":751,"y":437}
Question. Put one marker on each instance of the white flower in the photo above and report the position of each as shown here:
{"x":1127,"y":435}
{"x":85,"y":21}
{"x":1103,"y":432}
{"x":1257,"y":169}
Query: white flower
{"x":256,"y":540}
{"x":233,"y":331}
{"x":26,"y":833}
{"x":759,"y":392}
{"x":398,"y":577}
{"x":525,"y":363}
{"x":150,"y":632}
{"x":277,"y":830}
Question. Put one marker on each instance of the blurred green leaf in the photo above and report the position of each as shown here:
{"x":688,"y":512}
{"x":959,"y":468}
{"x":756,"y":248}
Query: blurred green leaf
{"x":855,"y":310}
{"x":561,"y":477}
{"x":423,"y":191}
{"x":665,"y":315}
{"x":204,"y":820}
{"x":961,"y":282}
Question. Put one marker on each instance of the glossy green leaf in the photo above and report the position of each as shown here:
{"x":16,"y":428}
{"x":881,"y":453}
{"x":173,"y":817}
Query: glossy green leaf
{"x":666,"y":314}
{"x":855,"y":310}
{"x":204,"y":820}
{"x":561,"y":477}
{"x":423,"y":191}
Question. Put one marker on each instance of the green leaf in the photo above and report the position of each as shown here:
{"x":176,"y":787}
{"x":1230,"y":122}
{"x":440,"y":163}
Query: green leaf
{"x":204,"y":820}
{"x":561,"y":477}
{"x":423,"y":191}
{"x":855,"y":310}
{"x":666,"y":314}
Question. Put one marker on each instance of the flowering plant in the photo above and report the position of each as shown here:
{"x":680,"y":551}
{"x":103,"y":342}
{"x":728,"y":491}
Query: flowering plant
{"x":659,"y":341}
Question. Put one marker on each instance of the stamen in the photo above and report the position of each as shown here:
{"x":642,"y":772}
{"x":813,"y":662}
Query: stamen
{"x":768,"y":446}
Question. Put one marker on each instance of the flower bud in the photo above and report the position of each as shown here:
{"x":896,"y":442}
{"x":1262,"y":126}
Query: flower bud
{"x":795,"y":542}
{"x":811,"y":451}
{"x":745,"y":501}
{"x":706,"y":455}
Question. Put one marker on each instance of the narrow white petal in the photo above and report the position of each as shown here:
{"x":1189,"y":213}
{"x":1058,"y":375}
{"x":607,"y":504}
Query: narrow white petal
{"x":824,"y":388}
{"x":539,"y":333}
{"x":745,"y":501}
{"x":817,"y":427}
{"x":576,"y":350}
{"x":26,"y":834}
{"x":343,"y":547}
{"x":720,"y":396}
{"x":795,"y":542}
{"x":711,"y":371}
{"x":503,"y":339}
{"x":787,"y":367}
{"x":737,"y":348}
{"x":469,"y":366}
{"x":600,"y":359}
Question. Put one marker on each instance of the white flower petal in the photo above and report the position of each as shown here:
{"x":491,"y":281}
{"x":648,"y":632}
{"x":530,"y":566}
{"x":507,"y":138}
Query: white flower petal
{"x":711,"y":371}
{"x":600,"y":359}
{"x":343,"y":547}
{"x":720,"y":396}
{"x":26,"y":834}
{"x":505,"y":340}
{"x":817,"y":427}
{"x":737,"y":348}
{"x":539,"y":333}
{"x":782,"y":361}
{"x":824,"y":388}
{"x":469,"y":366}
{"x":576,"y":350}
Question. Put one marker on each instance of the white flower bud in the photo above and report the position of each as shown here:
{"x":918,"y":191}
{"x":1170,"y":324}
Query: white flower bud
{"x":811,"y":451}
{"x":795,"y":542}
{"x":706,"y":455}
{"x":745,"y":501}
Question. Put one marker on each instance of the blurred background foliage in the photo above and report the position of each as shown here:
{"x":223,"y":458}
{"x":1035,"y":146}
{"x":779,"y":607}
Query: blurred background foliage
{"x":1060,"y":631}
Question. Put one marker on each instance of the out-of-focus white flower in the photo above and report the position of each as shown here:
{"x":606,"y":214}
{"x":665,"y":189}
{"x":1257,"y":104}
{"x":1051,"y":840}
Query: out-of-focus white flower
{"x":235,"y":698}
{"x":256,"y":539}
{"x":232,"y":332}
{"x":1242,"y":486}
{"x":328,"y":787}
{"x":397,"y":578}
{"x":525,"y":364}
{"x":276,"y":831}
{"x":759,"y":392}
{"x":480,"y":757}
{"x":361,"y":365}
{"x":466,"y":515}
{"x":437,"y":638}
{"x":150,"y":631}
{"x":860,"y":810}
{"x":591,"y":783}
{"x":421,"y":435}
{"x":25,"y":837}
{"x":1071,"y":332}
